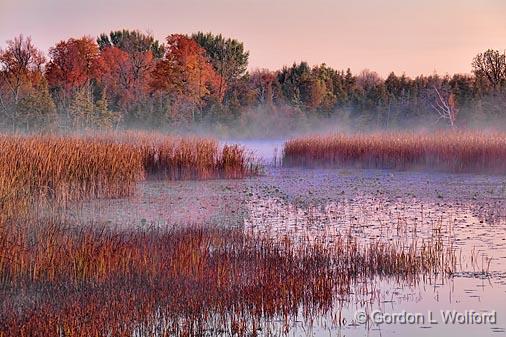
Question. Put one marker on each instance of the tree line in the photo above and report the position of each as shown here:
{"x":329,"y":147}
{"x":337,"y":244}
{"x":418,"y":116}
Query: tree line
{"x":127,"y":78}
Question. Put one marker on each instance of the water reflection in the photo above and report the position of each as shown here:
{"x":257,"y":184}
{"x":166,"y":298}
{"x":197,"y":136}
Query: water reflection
{"x":474,"y":227}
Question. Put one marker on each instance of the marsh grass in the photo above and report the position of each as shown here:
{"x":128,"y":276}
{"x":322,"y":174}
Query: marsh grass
{"x":60,"y":280}
{"x":455,"y":152}
{"x":38,"y":170}
{"x":180,"y":158}
{"x":66,"y":279}
{"x":54,"y":170}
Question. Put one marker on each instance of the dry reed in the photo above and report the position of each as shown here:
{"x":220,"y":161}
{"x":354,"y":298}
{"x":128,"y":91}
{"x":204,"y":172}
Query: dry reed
{"x":456,"y":152}
{"x":35,"y":170}
{"x":53,"y":170}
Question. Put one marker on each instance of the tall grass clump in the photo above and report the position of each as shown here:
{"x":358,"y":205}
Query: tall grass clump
{"x":53,"y":170}
{"x":185,"y":157}
{"x":41,"y":169}
{"x":452,"y":151}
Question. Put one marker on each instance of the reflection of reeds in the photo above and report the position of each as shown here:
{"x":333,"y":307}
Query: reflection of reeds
{"x":38,"y":169}
{"x":449,"y":151}
{"x":91,"y":282}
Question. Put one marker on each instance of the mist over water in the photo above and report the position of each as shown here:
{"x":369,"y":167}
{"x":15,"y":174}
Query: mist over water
{"x":268,"y":151}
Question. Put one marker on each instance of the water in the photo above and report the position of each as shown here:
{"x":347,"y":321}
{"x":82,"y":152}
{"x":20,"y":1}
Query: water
{"x":468,"y":211}
{"x":267,"y":151}
{"x":398,"y":206}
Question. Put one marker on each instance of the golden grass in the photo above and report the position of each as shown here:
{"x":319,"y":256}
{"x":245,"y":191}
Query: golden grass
{"x":457,"y":152}
{"x":36,"y":170}
{"x":180,"y":158}
{"x":53,"y":170}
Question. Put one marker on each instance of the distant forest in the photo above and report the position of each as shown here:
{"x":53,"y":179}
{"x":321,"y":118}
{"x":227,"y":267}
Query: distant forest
{"x":127,"y":79}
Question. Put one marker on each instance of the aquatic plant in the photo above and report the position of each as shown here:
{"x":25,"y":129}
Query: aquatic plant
{"x":451,"y":151}
{"x":61,"y":280}
{"x":53,"y":170}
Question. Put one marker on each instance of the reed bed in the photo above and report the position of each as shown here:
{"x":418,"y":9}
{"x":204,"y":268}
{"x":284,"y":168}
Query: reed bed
{"x":455,"y":152}
{"x":181,"y":158}
{"x":58,"y":280}
{"x":36,"y":170}
{"x":54,"y":170}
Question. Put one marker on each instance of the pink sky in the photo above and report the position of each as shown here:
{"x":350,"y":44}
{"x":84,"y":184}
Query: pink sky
{"x":408,"y":36}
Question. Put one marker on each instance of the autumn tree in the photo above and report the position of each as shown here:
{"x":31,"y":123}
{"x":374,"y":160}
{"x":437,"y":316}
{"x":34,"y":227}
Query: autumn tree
{"x":20,"y":73}
{"x":125,"y":79}
{"x":319,"y":89}
{"x":227,"y":56}
{"x":491,"y":65}
{"x":117,"y":77}
{"x":129,"y":57}
{"x":187,"y":76}
{"x":128,"y":77}
{"x":328,"y":89}
{"x":74,"y":66}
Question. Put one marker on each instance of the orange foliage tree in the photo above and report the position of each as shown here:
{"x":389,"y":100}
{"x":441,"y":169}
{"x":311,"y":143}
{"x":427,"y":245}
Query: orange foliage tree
{"x":74,"y":65}
{"x":20,"y":72}
{"x":126,"y":76}
{"x":187,"y":76}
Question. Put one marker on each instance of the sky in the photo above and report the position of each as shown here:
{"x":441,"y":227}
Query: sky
{"x":404,"y":36}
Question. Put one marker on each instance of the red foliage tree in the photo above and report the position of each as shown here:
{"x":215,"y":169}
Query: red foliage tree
{"x":262,"y":84}
{"x":74,"y":64}
{"x":126,"y":76}
{"x":186,"y":74}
